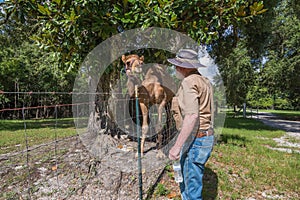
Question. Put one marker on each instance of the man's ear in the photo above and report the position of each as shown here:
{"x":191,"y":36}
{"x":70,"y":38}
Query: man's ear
{"x":142,"y":58}
{"x":123,"y":58}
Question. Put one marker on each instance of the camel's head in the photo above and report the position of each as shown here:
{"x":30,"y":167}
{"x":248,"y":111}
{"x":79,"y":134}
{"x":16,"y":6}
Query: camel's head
{"x":133,"y":63}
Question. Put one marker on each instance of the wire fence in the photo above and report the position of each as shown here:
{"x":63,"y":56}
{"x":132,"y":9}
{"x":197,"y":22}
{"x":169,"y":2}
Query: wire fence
{"x":47,"y":153}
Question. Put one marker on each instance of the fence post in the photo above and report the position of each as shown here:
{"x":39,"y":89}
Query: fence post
{"x":55,"y":147}
{"x":27,"y":150}
{"x":139,"y":144}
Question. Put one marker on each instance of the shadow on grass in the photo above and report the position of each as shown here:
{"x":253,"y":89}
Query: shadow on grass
{"x":14,"y":125}
{"x":285,"y":115}
{"x":210,"y":184}
{"x":234,"y":140}
{"x":248,"y":124}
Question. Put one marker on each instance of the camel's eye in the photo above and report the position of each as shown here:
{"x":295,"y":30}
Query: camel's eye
{"x":128,"y":63}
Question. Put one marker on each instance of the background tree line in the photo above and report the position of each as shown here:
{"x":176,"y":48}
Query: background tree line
{"x":254,"y":43}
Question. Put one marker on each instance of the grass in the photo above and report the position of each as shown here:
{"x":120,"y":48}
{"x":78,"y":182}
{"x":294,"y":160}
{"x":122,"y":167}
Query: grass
{"x":13,"y":133}
{"x":284,"y":114}
{"x":23,"y":168}
{"x":248,"y":166}
{"x":161,"y":190}
{"x":242,"y":166}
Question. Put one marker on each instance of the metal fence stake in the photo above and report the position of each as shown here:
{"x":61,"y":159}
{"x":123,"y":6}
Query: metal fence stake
{"x":139,"y":144}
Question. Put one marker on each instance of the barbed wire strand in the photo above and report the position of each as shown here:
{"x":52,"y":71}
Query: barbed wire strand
{"x":50,"y":92}
{"x":45,"y":106}
{"x":125,"y":121}
{"x":54,"y":92}
{"x":121,"y":120}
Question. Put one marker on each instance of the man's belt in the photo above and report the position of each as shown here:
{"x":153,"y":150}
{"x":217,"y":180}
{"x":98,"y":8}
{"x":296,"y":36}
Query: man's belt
{"x":203,"y":133}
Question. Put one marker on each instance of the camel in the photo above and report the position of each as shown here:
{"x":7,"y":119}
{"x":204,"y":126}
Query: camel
{"x":151,"y":91}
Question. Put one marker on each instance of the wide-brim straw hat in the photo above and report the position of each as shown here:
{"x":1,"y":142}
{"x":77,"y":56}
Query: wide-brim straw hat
{"x":186,"y":58}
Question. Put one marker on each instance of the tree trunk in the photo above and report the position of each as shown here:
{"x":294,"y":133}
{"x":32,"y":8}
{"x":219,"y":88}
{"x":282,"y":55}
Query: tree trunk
{"x":106,"y":108}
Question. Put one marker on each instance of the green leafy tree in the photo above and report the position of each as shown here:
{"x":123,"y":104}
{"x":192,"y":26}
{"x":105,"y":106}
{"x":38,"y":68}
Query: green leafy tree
{"x":280,"y":71}
{"x":24,"y":67}
{"x":75,"y":27}
{"x":237,"y":72}
{"x":284,"y":50}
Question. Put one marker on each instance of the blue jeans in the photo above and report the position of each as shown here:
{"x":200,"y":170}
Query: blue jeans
{"x":192,"y":163}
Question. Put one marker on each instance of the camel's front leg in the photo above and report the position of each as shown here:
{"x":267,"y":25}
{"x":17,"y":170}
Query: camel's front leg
{"x":159,"y":140}
{"x":145,"y":126}
{"x":160,"y":108}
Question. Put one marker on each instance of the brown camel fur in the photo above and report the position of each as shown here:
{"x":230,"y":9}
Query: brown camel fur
{"x":151,"y":91}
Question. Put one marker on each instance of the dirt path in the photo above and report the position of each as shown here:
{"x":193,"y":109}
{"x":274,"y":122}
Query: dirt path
{"x":290,"y":141}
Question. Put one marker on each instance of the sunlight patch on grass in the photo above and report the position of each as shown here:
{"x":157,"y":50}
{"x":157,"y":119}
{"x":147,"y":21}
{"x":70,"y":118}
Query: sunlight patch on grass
{"x":15,"y":136}
{"x":245,"y":164}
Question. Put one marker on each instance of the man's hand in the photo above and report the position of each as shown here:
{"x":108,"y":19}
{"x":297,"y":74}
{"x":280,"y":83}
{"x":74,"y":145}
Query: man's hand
{"x":174,"y":153}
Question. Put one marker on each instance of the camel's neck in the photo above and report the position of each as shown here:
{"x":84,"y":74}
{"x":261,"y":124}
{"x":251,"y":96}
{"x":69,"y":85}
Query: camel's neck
{"x":132,"y":81}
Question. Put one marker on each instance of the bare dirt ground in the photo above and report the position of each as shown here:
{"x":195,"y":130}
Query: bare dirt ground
{"x":66,"y":170}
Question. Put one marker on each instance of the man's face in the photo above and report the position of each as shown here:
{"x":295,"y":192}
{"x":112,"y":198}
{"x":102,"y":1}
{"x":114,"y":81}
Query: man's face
{"x":179,"y":74}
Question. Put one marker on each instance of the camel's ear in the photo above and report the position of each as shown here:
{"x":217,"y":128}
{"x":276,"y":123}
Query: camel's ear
{"x":123,"y":58}
{"x":142,"y":58}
